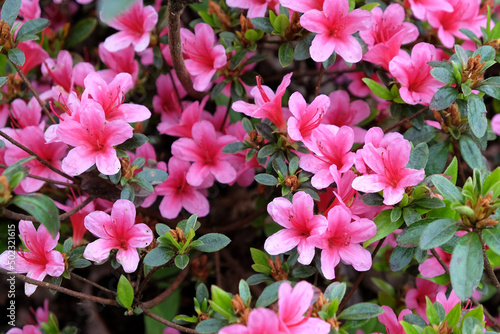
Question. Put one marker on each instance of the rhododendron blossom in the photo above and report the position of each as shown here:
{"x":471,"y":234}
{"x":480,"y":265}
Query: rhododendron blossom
{"x":391,"y":322}
{"x":335,"y":26}
{"x":260,"y":321}
{"x":40,"y":260}
{"x":341,"y":241}
{"x":256,"y":8}
{"x":204,"y":58}
{"x":134,"y":24}
{"x":305,"y":117}
{"x":117,"y":231}
{"x":415,"y":298}
{"x":300,"y":225}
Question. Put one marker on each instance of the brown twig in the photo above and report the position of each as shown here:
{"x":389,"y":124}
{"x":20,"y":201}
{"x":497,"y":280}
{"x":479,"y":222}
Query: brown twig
{"x":487,"y":265}
{"x":175,"y":8}
{"x":360,"y":278}
{"x":17,"y":216}
{"x":406,"y":119}
{"x":61,"y":289}
{"x":148,"y":277}
{"x":83,"y":279}
{"x":166,"y":293}
{"x":76,"y":208}
{"x":166,"y":322}
{"x":320,"y":77}
{"x":42,"y":160}
{"x":36,"y":177}
{"x":35,"y":94}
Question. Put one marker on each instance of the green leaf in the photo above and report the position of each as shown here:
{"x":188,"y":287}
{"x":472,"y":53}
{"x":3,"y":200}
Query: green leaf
{"x":385,"y":226}
{"x":454,"y":315}
{"x":153,"y":176}
{"x":443,"y":98}
{"x":378,"y":89}
{"x":232,"y":148}
{"x":443,"y":75}
{"x":401,"y":257}
{"x":127,"y":193}
{"x":447,"y":189}
{"x":452,"y":170}
{"x":281,"y":23}
{"x":266,"y":179}
{"x":472,"y":325}
{"x":111,"y":9}
{"x":438,"y":232}
{"x":470,"y":152}
{"x":210,"y":325}
{"x":158,"y":256}
{"x":303,"y":271}
{"x":491,"y":237}
{"x":32,"y":27}
{"x":466,"y":266}
{"x":237,"y":58}
{"x":258,"y":256}
{"x":369,"y":6}
{"x":396,"y":214}
{"x":269,"y":295}
{"x":10,"y":10}
{"x":263,"y":24}
{"x":408,"y":328}
{"x":222,"y":301}
{"x":491,"y":87}
{"x":372,"y":199}
{"x":285,"y":54}
{"x":81,"y":31}
{"x":487,"y":53}
{"x":42,"y":208}
{"x":137,"y":140}
{"x":410,"y":237}
{"x":142,"y":183}
{"x":361,"y":311}
{"x":477,"y":115}
{"x":16,"y":56}
{"x":181,"y":261}
{"x":336,"y":290}
{"x":301,"y":51}
{"x":244,"y":291}
{"x":125,"y":292}
{"x":418,"y":156}
{"x":190,"y":223}
{"x":431,"y":312}
{"x":213,"y":242}
{"x":429,"y":203}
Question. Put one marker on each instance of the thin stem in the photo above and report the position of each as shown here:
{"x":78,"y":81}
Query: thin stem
{"x":228,"y":109}
{"x":148,"y":277}
{"x":320,"y":77}
{"x":166,"y":293}
{"x":175,"y":8}
{"x":404,"y":120}
{"x":487,"y":265}
{"x":35,"y":94}
{"x":36,"y":177}
{"x":42,"y":161}
{"x":17,"y":216}
{"x":83,"y":279}
{"x":166,"y":322}
{"x":58,"y":288}
{"x":440,"y":260}
{"x":76,"y":208}
{"x":360,"y":278}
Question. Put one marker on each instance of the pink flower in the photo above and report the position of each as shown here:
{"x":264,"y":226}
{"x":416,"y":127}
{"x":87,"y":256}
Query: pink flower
{"x":305,"y":117}
{"x":60,"y":70}
{"x":30,"y":9}
{"x":303,"y":5}
{"x":495,"y":124}
{"x":167,"y":102}
{"x":421,"y":8}
{"x":300,"y":224}
{"x":267,"y":104}
{"x":117,"y":231}
{"x":118,"y":62}
{"x":391,"y":322}
{"x":205,"y":150}
{"x":417,"y":84}
{"x":293,"y":304}
{"x":465,"y":14}
{"x":415,"y":298}
{"x":388,"y":170}
{"x":431,"y":266}
{"x":344,"y":112}
{"x":181,"y":125}
{"x":335,"y":26}
{"x":330,"y":146}
{"x":204,"y":58}
{"x":448,"y":303}
{"x":110,"y":97}
{"x":35,"y":55}
{"x":260,"y":321}
{"x":256,"y":8}
{"x":134,"y":24}
{"x":341,"y":241}
{"x":33,"y":138}
{"x":178,"y":193}
{"x":42,"y":313}
{"x":26,"y":114}
{"x":77,"y":219}
{"x":28,"y":329}
{"x":93,"y":138}
{"x":40,"y":259}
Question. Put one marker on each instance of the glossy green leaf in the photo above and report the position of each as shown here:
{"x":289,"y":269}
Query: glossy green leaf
{"x":378,"y":89}
{"x":491,"y":237}
{"x":81,"y":31}
{"x":443,"y":98}
{"x":10,"y":10}
{"x":418,"y":156}
{"x":125,"y":292}
{"x":438,"y":232}
{"x":181,"y":261}
{"x":32,"y":27}
{"x":385,"y":226}
{"x":443,"y":75}
{"x":266,"y":179}
{"x":42,"y":208}
{"x":477,"y":115}
{"x":470,"y":152}
{"x":466,"y":266}
{"x":213,"y":242}
{"x":269,"y":295}
{"x":285,"y":54}
{"x":447,"y":189}
{"x":361,"y":311}
{"x":401,"y":257}
{"x":263,"y":24}
{"x":158,"y":256}
{"x":16,"y":56}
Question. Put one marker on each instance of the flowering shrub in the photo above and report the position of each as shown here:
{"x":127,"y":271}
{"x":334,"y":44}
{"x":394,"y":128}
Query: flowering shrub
{"x":305,"y":166}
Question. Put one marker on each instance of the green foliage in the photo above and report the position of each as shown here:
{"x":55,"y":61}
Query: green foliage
{"x":125,"y":292}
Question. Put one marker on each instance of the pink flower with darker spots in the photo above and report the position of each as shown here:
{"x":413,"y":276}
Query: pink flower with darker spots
{"x":135,"y":25}
{"x":117,"y":231}
{"x":300,"y":224}
{"x":335,"y":27}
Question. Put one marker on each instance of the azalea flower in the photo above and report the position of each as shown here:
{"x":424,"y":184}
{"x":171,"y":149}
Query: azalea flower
{"x":34,"y":53}
{"x":294,"y":305}
{"x":181,"y":124}
{"x":414,"y":74}
{"x":335,"y":27}
{"x":421,"y":8}
{"x":260,"y":321}
{"x":256,"y":8}
{"x":203,"y":57}
{"x":93,"y":138}
{"x":205,"y":150}
{"x":135,"y":25}
{"x":118,"y":62}
{"x":391,"y":322}
{"x":431,"y":266}
{"x":415,"y":298}
{"x":303,"y":6}
{"x":28,"y":329}
{"x":305,"y":117}
{"x":40,"y":260}
{"x":77,"y":219}
{"x":341,"y":241}
{"x":267,"y":104}
{"x":117,"y":231}
{"x":300,"y":225}
{"x":26,"y":114}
